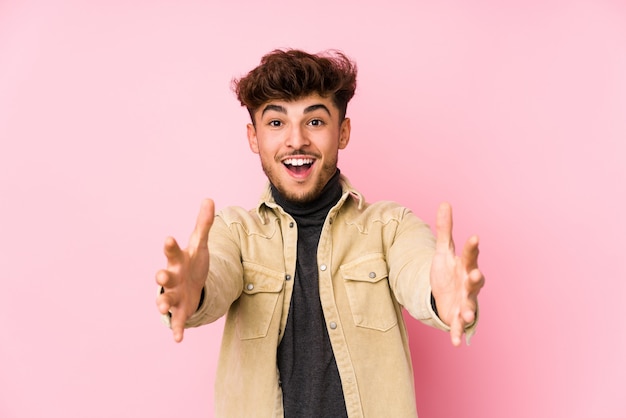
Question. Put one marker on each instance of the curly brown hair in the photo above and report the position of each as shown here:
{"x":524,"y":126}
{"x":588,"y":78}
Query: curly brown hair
{"x":293,"y":74}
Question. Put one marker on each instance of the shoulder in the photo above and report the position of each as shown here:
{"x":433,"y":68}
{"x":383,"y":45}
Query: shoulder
{"x":248,"y":221}
{"x":384,"y":213}
{"x":383,"y":210}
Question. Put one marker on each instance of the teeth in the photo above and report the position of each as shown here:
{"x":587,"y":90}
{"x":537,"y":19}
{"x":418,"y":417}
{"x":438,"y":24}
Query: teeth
{"x":298,"y":161}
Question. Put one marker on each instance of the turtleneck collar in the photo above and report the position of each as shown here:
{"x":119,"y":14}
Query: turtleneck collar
{"x":316,"y":209}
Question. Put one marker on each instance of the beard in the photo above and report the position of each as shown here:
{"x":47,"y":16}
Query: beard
{"x":300,"y":195}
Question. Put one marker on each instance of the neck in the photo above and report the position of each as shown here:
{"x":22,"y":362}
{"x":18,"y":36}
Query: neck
{"x":327,"y":198}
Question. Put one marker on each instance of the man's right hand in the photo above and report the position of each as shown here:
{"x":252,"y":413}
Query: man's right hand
{"x":185,"y":275}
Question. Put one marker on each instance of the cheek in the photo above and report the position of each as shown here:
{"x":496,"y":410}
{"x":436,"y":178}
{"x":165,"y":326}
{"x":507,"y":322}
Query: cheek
{"x":330,"y":156}
{"x":267,"y":153}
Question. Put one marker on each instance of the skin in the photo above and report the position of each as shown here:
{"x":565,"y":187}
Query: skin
{"x":310,"y":130}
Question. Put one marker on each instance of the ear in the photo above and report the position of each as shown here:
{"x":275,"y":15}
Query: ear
{"x":344,"y":133}
{"x":252,"y":139}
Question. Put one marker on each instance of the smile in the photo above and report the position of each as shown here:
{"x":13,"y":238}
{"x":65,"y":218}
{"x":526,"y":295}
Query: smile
{"x":298,"y":165}
{"x":297,"y":162}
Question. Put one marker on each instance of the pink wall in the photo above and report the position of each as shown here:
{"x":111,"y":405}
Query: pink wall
{"x":116,"y":119}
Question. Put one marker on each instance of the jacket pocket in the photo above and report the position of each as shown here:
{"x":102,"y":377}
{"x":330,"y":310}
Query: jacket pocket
{"x":367,"y":287}
{"x":257,"y":303}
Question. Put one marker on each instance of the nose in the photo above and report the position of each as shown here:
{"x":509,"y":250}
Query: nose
{"x":297,"y":137}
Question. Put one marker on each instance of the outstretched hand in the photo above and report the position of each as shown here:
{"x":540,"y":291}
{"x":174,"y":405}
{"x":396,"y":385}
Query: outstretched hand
{"x":184,"y":277}
{"x":455,"y":280}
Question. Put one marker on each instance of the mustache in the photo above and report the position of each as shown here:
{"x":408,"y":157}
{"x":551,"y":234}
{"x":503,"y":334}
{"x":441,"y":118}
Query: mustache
{"x":300,"y":153}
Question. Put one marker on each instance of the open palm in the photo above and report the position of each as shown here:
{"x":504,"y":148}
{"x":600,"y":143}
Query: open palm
{"x":184,"y":277}
{"x":455,"y":280}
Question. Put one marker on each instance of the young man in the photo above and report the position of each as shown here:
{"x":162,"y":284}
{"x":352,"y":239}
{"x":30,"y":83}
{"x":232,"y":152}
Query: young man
{"x":314,"y":279}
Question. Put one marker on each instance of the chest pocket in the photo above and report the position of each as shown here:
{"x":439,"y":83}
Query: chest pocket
{"x":257,"y":303}
{"x":367,"y":287}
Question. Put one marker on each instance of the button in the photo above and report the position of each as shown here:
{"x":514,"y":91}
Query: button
{"x":250,"y":286}
{"x":290,"y":224}
{"x":323,"y":267}
{"x":372,"y":274}
{"x":333,"y":325}
{"x":288,"y":277}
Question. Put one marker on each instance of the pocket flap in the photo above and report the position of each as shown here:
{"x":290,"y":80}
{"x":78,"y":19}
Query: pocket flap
{"x":259,"y":279}
{"x":369,"y":268}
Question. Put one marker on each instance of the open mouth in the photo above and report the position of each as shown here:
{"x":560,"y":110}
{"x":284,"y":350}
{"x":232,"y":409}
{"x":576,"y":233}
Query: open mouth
{"x":298,"y":165}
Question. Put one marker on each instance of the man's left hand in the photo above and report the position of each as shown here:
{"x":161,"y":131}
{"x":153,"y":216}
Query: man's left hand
{"x":455,"y":280}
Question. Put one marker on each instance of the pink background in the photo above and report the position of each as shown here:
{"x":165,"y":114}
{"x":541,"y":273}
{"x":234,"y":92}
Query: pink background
{"x":116,"y":118}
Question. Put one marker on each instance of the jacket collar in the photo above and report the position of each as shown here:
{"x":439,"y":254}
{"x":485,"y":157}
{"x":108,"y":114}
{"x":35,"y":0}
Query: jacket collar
{"x":267,"y":202}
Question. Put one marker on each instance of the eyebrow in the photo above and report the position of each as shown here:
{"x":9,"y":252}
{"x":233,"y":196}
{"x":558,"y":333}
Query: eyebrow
{"x":276,"y":108}
{"x":315,"y":107}
{"x":281,"y":109}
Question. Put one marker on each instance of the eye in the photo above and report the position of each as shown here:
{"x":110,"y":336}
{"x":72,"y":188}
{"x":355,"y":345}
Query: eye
{"x":275,"y":123}
{"x":316,"y":122}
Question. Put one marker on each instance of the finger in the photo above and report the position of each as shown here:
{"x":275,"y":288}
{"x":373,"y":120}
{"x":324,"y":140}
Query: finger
{"x":469,"y":315}
{"x":456,"y":332}
{"x":475,"y":281}
{"x":177,"y":323}
{"x":444,"y":228}
{"x":165,"y":301}
{"x":200,"y":235}
{"x":470,"y":253}
{"x":469,"y":312}
{"x":172,"y":250}
{"x":164,"y":278}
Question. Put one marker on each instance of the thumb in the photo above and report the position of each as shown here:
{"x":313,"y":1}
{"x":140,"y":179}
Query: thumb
{"x":204,"y":222}
{"x":444,"y":228}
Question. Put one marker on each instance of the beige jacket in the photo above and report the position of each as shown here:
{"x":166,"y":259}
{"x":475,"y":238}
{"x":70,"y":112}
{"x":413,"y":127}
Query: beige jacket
{"x":373,"y":261}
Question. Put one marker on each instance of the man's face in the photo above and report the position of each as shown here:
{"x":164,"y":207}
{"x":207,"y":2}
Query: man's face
{"x":298,"y":142}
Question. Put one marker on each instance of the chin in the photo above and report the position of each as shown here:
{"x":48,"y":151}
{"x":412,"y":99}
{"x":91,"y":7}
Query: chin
{"x":300,"y":196}
{"x":297,"y":193}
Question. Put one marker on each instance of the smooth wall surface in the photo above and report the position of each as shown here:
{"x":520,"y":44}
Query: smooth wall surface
{"x":116,"y":119}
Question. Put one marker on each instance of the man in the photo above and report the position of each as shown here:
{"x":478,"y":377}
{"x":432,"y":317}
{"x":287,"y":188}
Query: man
{"x":314,"y":279}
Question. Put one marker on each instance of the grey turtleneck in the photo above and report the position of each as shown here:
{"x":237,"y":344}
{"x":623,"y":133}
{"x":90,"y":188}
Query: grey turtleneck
{"x":308,"y":373}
